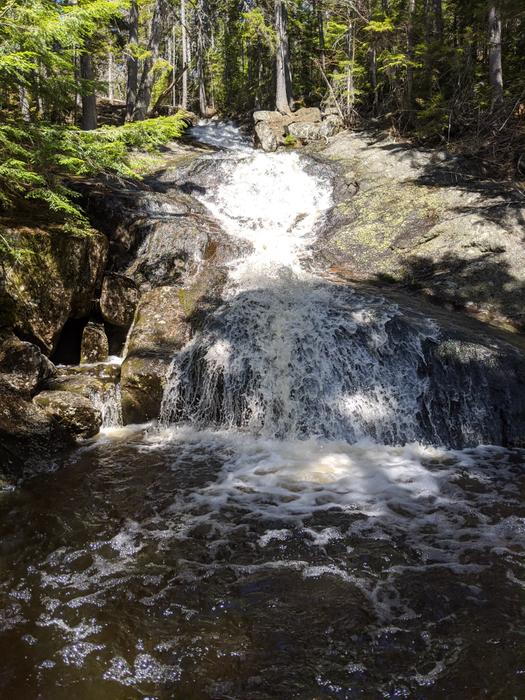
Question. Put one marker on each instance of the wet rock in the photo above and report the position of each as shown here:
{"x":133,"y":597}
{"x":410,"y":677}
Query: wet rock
{"x":23,"y":366}
{"x":30,"y":439}
{"x":267,"y":136}
{"x":118,"y":299}
{"x":54,"y":280}
{"x":86,"y":380}
{"x":73,"y":412}
{"x":160,"y":329}
{"x":95,"y":345}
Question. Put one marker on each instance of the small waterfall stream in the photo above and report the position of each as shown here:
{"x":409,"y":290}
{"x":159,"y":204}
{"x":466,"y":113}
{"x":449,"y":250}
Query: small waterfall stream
{"x":286,"y":531}
{"x":289,"y":355}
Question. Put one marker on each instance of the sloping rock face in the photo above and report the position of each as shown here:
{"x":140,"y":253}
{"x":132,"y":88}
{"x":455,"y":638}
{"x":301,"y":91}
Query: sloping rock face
{"x":118,"y":299}
{"x":159,"y":330}
{"x":419,"y":219}
{"x":55,"y":277}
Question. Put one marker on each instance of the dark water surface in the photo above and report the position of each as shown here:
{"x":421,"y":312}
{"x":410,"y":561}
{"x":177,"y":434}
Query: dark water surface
{"x":202,"y":565}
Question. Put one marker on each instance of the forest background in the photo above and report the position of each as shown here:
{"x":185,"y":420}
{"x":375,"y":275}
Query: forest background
{"x":87,"y":85}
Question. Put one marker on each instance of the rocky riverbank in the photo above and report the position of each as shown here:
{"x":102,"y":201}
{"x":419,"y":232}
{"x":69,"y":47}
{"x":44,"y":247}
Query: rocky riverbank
{"x":403,"y":218}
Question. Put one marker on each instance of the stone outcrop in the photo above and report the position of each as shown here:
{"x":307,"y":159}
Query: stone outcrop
{"x":159,"y":330}
{"x":56,"y":277}
{"x":23,"y":366}
{"x":118,"y":299}
{"x":273,"y":129}
{"x":419,"y":219}
{"x":30,"y":439}
{"x":95,"y":345}
{"x":75,"y":413}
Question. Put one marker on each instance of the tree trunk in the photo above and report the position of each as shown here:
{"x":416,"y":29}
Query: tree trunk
{"x":495,"y":69}
{"x":158,"y":23}
{"x":184,"y":41}
{"x":201,"y":49}
{"x":132,"y":63}
{"x":89,"y":98}
{"x":24,"y":104}
{"x":410,"y":69}
{"x":110,"y":77}
{"x":283,"y":92}
{"x":438,"y":19}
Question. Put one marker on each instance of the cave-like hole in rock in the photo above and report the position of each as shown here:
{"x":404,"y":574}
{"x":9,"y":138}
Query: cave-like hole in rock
{"x":67,"y":351}
{"x":116,"y":338}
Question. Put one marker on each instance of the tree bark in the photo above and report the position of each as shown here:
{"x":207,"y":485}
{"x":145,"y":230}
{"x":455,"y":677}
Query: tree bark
{"x":201,"y":49}
{"x":132,"y":62}
{"x":495,"y":67}
{"x":161,"y":14}
{"x":89,"y":98}
{"x":184,"y":41}
{"x":283,"y":92}
{"x":410,"y":56}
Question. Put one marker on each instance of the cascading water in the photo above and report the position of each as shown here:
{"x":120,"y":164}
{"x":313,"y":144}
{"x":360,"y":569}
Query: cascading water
{"x":260,"y":545}
{"x":289,"y":355}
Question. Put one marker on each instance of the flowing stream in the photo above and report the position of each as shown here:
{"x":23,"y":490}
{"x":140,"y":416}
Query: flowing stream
{"x":297,"y":525}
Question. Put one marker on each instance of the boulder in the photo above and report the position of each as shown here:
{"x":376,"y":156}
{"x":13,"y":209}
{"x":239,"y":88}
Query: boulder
{"x":94,"y":347}
{"x":23,"y":366}
{"x":266,"y":136}
{"x":330,"y":126}
{"x":271,"y":118}
{"x":310,"y":115}
{"x":118,"y":299}
{"x":73,"y":412}
{"x":57,"y":279}
{"x":30,"y":439}
{"x":305,"y":131}
{"x":160,"y":329}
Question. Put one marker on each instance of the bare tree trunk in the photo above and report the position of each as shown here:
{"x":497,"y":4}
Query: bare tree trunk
{"x":438,"y":19}
{"x":283,"y":92}
{"x":110,"y":77}
{"x":24,"y":104}
{"x":184,"y":40}
{"x":410,"y":56}
{"x":89,"y":98}
{"x":373,"y":78}
{"x":350,"y":67}
{"x":158,"y":23}
{"x":133,"y":64}
{"x":320,"y":32}
{"x":201,"y":49}
{"x":495,"y":68}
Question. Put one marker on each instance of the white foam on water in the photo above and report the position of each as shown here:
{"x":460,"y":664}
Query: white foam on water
{"x":225,"y":135}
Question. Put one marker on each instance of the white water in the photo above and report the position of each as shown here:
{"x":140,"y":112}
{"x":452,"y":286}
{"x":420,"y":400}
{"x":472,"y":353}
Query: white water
{"x":289,"y":355}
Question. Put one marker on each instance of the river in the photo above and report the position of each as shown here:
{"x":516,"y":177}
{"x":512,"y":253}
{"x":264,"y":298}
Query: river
{"x":295,"y":525}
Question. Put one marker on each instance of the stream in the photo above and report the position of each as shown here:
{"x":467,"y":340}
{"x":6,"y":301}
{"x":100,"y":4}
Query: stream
{"x":297,"y":524}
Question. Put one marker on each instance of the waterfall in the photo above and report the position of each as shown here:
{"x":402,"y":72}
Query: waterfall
{"x":288,"y":354}
{"x":291,"y":355}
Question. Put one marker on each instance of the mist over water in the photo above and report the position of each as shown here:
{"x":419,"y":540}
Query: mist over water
{"x":287,"y":530}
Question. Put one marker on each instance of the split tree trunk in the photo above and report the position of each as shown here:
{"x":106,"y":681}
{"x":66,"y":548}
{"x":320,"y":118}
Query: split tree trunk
{"x":283,"y":92}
